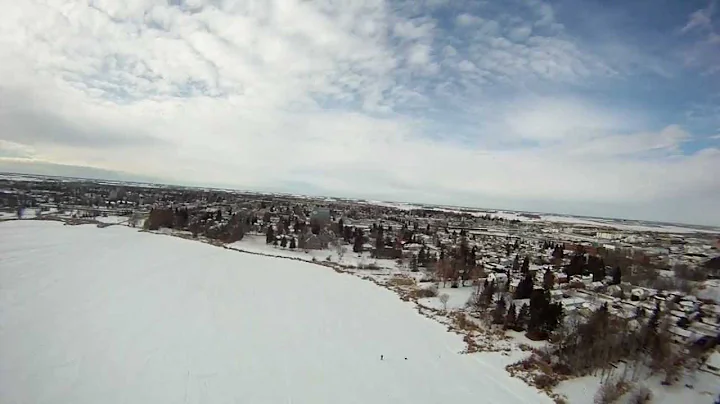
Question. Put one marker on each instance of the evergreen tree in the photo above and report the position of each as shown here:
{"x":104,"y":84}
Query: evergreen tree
{"x":522,"y":318}
{"x":525,"y":265}
{"x":510,"y":317}
{"x":544,"y":316}
{"x":516,"y":263}
{"x":548,"y":279}
{"x":651,"y":327}
{"x":269,"y":235}
{"x":414,"y":264}
{"x":422,"y":257}
{"x":379,"y":239}
{"x":617,"y":276}
{"x":525,"y":287}
{"x":358,"y":243}
{"x":538,"y":304}
{"x":499,"y":312}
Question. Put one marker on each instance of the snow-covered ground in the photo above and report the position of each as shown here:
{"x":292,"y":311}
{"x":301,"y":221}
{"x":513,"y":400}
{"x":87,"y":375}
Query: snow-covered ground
{"x":256,"y":244}
{"x":705,"y":389}
{"x":112,"y":219}
{"x":113,"y":315}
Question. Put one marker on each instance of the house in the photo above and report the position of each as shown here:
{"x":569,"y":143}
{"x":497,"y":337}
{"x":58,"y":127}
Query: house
{"x":499,"y":278}
{"x":556,"y":295}
{"x":387,"y":253}
{"x":638,"y":294}
{"x":312,"y":242}
{"x":712,"y":364}
{"x":614,"y":290}
{"x":679,"y":335}
{"x":596,"y":286}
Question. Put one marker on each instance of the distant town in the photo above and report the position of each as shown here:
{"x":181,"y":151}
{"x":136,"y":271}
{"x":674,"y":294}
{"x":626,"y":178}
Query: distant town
{"x":597,"y":292}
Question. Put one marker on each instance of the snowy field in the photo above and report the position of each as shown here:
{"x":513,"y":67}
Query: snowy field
{"x":113,"y":315}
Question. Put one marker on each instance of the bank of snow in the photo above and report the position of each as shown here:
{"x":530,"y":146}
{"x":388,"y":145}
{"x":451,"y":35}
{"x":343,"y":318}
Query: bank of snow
{"x":111,"y":315}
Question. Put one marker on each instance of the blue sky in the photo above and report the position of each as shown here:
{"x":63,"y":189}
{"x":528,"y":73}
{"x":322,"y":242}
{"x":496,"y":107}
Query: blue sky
{"x":607,"y":108}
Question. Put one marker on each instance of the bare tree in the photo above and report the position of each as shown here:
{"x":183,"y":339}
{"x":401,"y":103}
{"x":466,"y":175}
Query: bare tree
{"x":337,"y":243}
{"x":444,"y":300}
{"x":640,"y":395}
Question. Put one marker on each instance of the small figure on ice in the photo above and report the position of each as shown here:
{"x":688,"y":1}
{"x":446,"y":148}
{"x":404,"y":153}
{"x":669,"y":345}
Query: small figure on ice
{"x":381,"y":357}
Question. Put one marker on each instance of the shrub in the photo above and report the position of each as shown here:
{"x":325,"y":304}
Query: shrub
{"x":159,"y":218}
{"x":640,"y":395}
{"x":608,"y":392}
{"x":401,"y":281}
{"x":426,"y":292}
{"x":463,"y":323}
{"x":545,"y":382}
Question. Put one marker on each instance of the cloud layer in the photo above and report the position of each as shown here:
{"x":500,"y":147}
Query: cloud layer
{"x":430,"y":101}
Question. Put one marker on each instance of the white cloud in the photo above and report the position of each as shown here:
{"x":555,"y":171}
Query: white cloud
{"x":281,"y":93}
{"x":466,"y":19}
{"x":704,"y":53}
{"x":518,"y":34}
{"x":419,"y":55}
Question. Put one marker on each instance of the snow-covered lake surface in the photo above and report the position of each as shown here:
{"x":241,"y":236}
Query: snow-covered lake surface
{"x":113,"y":315}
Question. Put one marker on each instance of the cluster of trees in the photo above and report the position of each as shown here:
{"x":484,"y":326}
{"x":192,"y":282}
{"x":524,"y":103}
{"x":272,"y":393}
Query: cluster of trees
{"x":227,"y":228}
{"x":603,"y":340}
{"x":458,"y":265}
{"x":539,"y":318}
{"x":285,"y":241}
{"x":523,"y":268}
{"x":685,"y":272}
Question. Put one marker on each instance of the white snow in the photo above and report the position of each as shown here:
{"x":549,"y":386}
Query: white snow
{"x":705,"y":389}
{"x":113,"y":315}
{"x":457,"y":298}
{"x":112,"y":219}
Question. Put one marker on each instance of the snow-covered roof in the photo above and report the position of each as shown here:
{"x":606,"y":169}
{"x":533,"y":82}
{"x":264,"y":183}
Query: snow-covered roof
{"x":713,"y":361}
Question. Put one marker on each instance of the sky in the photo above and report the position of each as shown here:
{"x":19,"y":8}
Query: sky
{"x":592,"y":107}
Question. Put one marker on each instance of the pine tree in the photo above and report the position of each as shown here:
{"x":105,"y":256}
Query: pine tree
{"x":270,"y":235}
{"x":510,"y":317}
{"x":414,"y":264}
{"x":538,"y":305}
{"x":525,"y":287}
{"x":358,"y":243}
{"x":617,"y":276}
{"x":499,"y":312}
{"x":488,"y":293}
{"x":522,"y":318}
{"x":516,"y":263}
{"x":548,"y":279}
{"x":422,"y":257}
{"x":379,"y":239}
{"x":525,"y":265}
